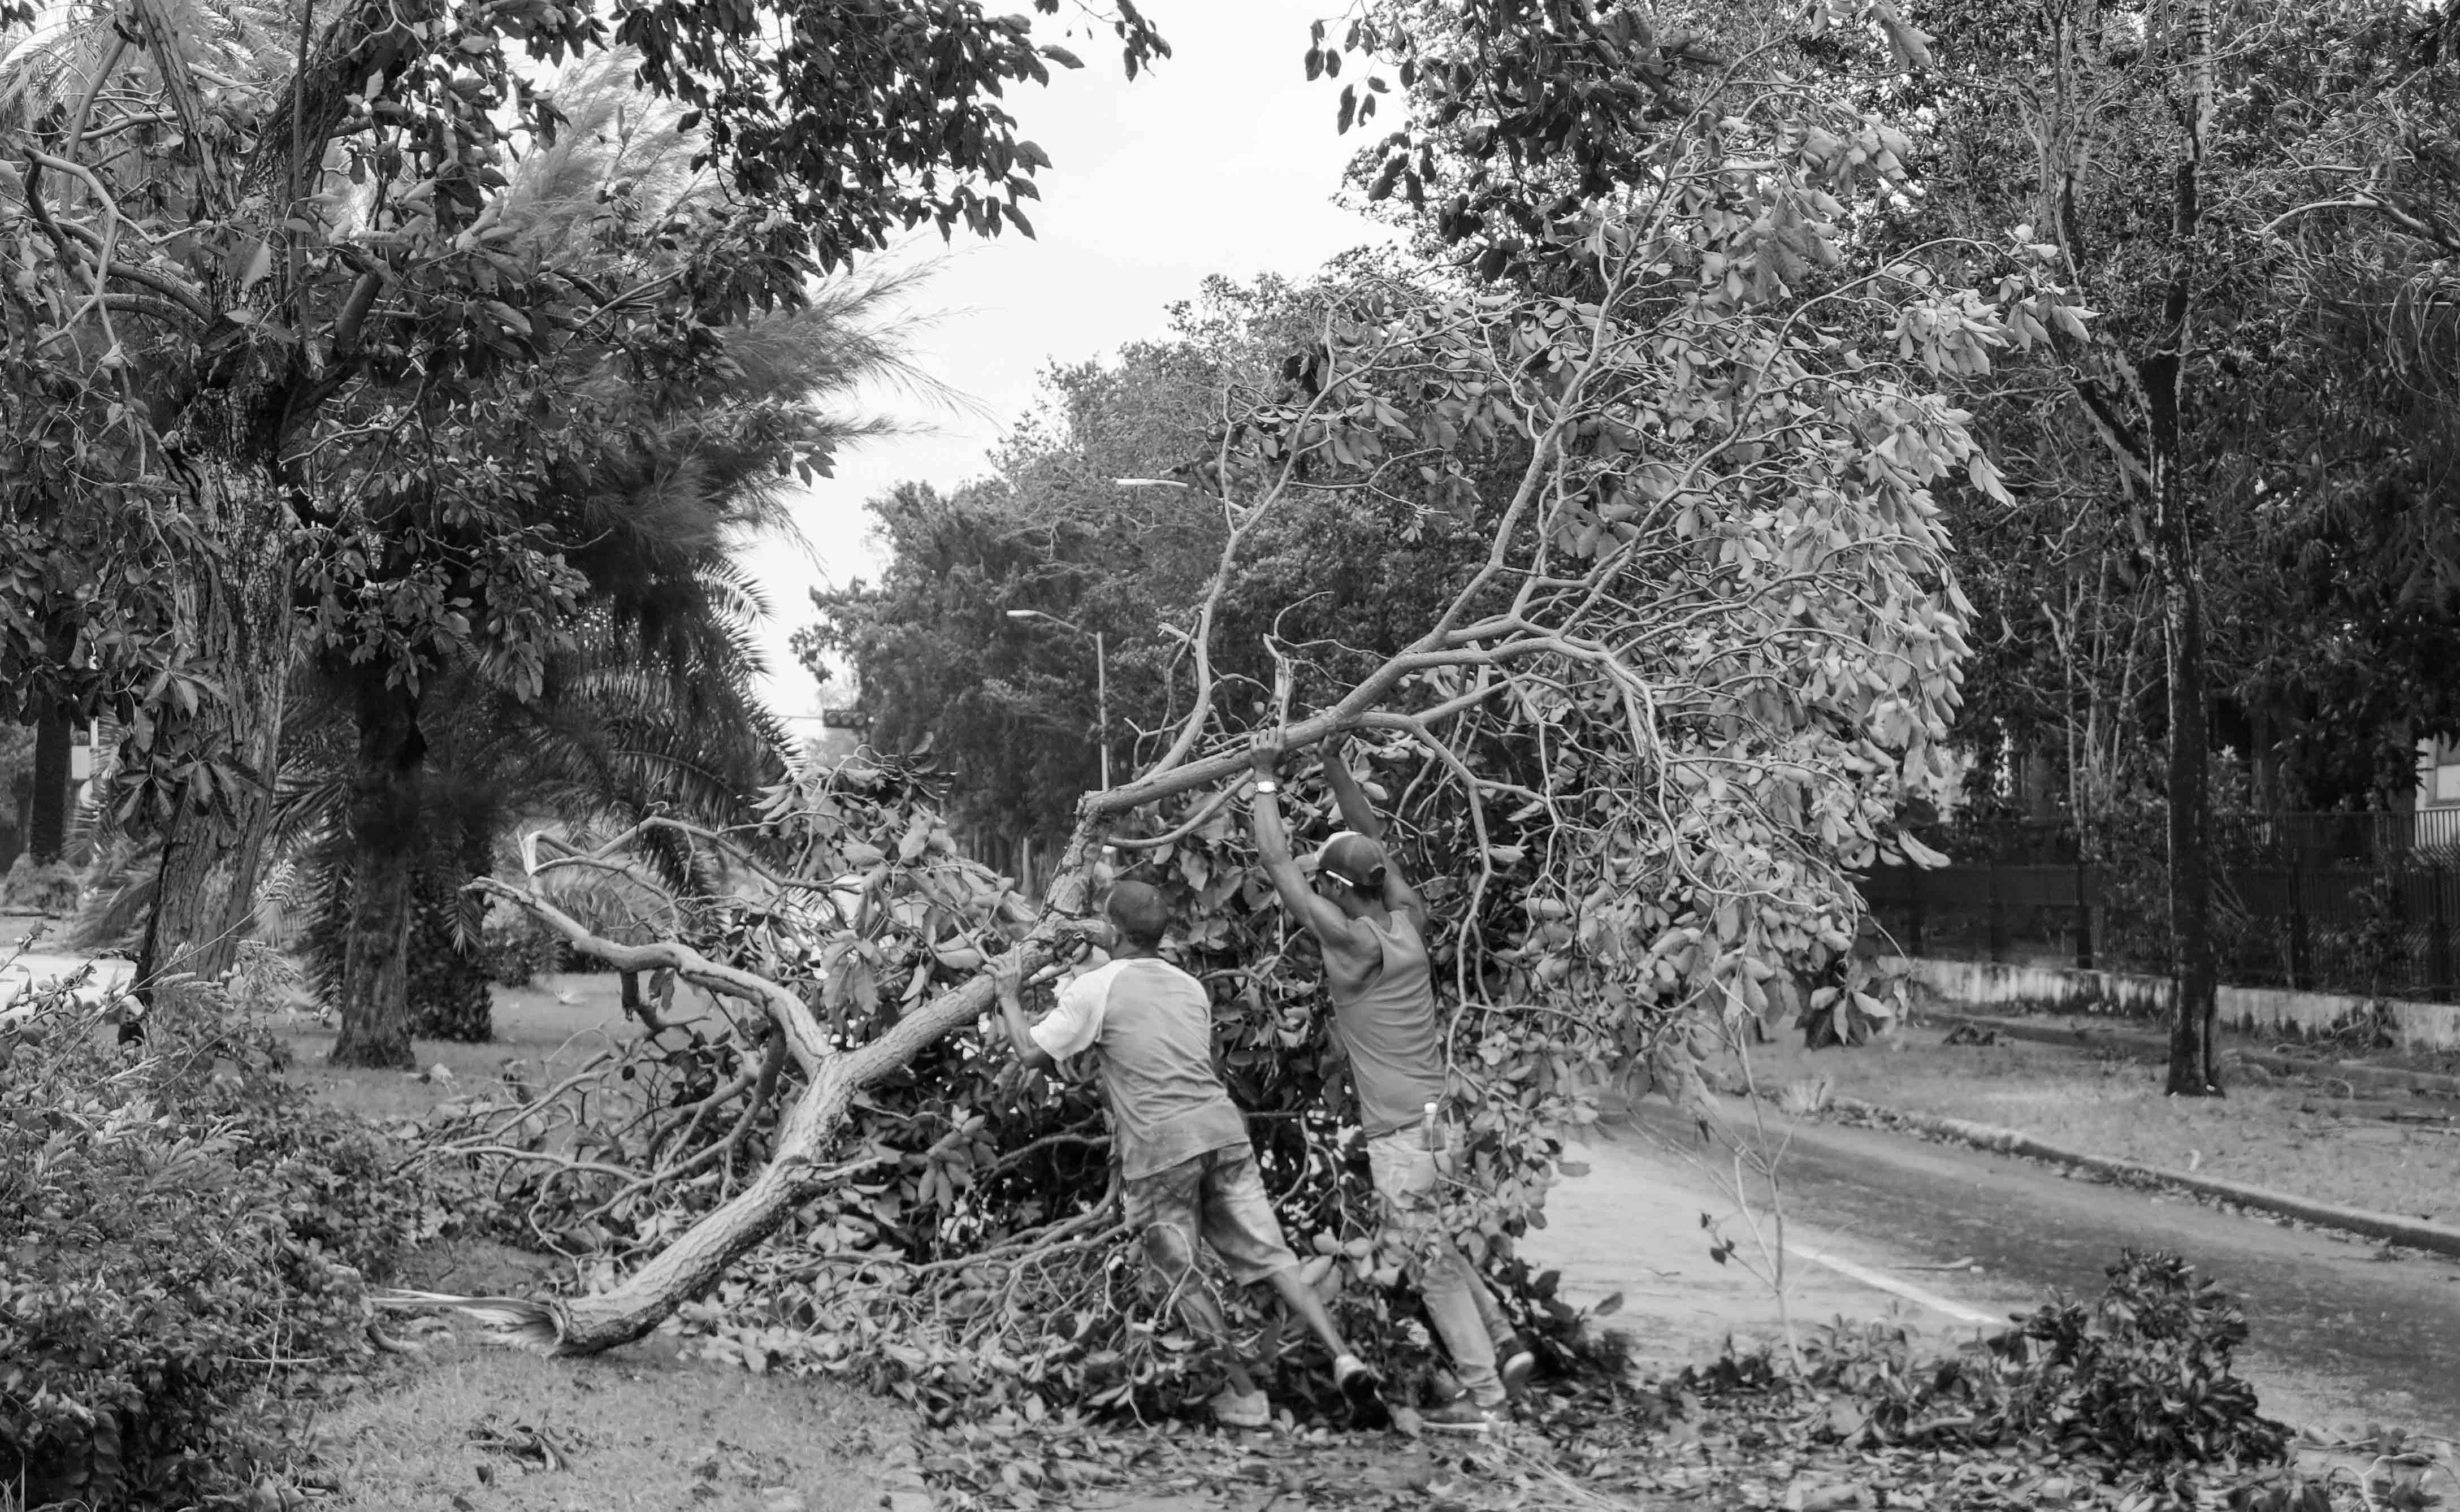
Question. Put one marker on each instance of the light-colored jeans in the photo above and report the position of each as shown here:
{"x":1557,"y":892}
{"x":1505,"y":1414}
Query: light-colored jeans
{"x":1465,"y":1316}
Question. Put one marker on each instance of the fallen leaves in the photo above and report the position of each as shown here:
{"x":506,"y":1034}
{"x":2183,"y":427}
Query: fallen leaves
{"x":1738,"y":1440}
{"x":528,"y":1447}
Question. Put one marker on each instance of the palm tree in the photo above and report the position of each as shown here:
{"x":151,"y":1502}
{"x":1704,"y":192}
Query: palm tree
{"x":643,"y":497}
{"x":621,"y":730}
{"x":650,"y":701}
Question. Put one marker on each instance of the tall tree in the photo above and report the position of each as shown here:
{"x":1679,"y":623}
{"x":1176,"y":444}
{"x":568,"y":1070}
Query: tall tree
{"x":587,"y":502}
{"x":1709,"y":645}
{"x":202,"y":290}
{"x":1010,"y":704}
{"x":2110,"y":119}
{"x":2162,"y":153}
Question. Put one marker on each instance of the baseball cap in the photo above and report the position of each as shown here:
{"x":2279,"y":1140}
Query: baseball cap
{"x":1350,"y":858}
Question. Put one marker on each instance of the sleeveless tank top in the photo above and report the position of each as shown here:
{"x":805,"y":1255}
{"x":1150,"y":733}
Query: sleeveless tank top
{"x":1386,"y":1018}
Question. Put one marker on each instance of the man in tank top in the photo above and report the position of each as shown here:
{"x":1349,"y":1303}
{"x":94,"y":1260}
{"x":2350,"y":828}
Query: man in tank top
{"x":1372,"y":925}
{"x":1186,"y":1169}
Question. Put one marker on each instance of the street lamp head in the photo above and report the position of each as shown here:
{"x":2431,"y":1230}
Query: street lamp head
{"x":1025,"y":615}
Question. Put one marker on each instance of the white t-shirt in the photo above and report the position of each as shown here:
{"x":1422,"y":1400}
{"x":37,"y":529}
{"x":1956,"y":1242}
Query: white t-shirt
{"x":1152,"y":1024}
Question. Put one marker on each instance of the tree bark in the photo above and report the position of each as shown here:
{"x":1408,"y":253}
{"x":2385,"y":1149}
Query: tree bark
{"x":47,"y":835}
{"x":2193,"y":1071}
{"x":213,"y":850}
{"x":386,"y":849}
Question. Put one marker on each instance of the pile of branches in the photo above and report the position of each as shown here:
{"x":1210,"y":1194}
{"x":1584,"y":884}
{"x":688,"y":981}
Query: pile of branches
{"x":2127,"y":1402}
{"x":964,"y":1250}
{"x":1706,"y":644}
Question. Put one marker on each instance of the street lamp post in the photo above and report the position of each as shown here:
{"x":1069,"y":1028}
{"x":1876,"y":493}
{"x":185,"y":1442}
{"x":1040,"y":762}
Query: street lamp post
{"x":1101,"y":683}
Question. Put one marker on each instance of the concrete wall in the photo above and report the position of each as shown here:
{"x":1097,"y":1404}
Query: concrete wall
{"x":1987,"y":984}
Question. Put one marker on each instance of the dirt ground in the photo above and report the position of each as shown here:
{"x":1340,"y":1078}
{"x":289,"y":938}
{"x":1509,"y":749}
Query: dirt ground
{"x":553,"y":1025}
{"x":2302,"y":1136}
{"x":475,"y":1427}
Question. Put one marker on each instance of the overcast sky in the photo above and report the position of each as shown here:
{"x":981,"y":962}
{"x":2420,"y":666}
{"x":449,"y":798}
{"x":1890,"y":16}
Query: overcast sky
{"x":1222,"y":160}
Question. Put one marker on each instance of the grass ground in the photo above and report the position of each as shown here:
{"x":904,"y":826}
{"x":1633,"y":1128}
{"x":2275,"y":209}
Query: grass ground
{"x":551,"y":1027}
{"x":475,"y":1427}
{"x":2303,"y":1135}
{"x":468,"y":1426}
{"x":554,"y":1025}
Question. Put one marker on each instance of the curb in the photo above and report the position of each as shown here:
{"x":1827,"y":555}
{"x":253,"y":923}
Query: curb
{"x":2416,"y":1233}
{"x":2423,"y":1083}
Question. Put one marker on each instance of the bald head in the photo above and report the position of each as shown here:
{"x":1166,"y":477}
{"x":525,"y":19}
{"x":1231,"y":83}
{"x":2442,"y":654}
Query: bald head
{"x":1137,"y":911}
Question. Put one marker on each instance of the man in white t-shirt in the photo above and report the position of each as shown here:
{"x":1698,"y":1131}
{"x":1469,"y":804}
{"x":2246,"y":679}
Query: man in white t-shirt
{"x":1186,"y":1169}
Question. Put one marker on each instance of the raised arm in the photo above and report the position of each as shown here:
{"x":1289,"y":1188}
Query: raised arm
{"x":1273,"y":846}
{"x":1357,"y":813}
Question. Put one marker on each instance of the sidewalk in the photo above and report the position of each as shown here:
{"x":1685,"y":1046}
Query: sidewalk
{"x":2313,"y":1137}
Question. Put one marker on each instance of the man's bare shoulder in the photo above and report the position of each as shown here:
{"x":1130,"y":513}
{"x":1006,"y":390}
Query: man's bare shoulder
{"x":1352,"y":939}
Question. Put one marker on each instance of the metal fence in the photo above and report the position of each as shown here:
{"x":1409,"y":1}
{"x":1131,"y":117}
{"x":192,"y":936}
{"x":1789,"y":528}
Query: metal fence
{"x":2364,"y":903}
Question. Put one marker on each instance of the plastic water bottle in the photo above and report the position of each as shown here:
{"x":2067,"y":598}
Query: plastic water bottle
{"x":1434,"y":1145}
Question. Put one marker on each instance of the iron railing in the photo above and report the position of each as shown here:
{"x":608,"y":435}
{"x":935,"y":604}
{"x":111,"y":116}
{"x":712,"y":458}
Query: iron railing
{"x":2362,"y":904}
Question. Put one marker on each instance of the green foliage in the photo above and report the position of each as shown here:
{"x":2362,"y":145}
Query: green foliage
{"x":181,"y":1235}
{"x":447,"y":978}
{"x":316,"y":259}
{"x":1010,"y":705}
{"x":2143,"y":1377}
{"x":54,"y":888}
{"x":514,"y":949}
{"x":1670,"y":637}
{"x":2316,"y":419}
{"x":2147,"y":1371}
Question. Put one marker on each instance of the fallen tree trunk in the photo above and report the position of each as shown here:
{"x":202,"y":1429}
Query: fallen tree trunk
{"x":693,"y":1264}
{"x":1693,"y":714}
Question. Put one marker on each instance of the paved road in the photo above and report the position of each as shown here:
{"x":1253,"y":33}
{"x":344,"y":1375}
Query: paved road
{"x":2341,"y":1335}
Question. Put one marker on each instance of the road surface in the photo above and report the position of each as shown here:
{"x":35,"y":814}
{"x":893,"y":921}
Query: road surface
{"x":2341,"y":1335}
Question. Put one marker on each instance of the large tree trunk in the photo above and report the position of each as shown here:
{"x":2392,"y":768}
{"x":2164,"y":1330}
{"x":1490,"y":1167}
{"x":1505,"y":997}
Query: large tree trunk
{"x":2193,"y":1071}
{"x":387,"y":845}
{"x":47,"y":836}
{"x":244,"y":628}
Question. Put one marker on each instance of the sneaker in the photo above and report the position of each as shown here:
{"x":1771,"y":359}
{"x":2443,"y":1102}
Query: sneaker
{"x":1461,"y":1416}
{"x":1356,"y":1378}
{"x":1231,"y":1409}
{"x":1363,"y":1389}
{"x":1513,"y":1363}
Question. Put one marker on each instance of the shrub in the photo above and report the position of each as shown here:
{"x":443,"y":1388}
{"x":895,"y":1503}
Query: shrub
{"x":2147,"y":1371}
{"x":182,"y":1235}
{"x":48,"y":889}
{"x":515,"y":949}
{"x":2145,"y":1375}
